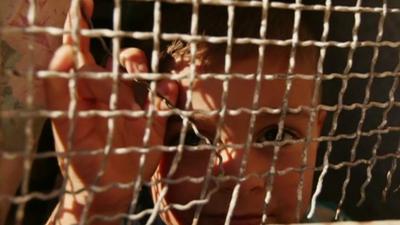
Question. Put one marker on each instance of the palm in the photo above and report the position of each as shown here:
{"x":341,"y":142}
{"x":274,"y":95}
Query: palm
{"x":96,"y":138}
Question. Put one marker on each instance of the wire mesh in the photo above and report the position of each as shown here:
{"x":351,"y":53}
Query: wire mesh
{"x":363,"y":64}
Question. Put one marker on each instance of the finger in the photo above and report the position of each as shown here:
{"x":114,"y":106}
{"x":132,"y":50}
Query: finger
{"x":85,"y":13}
{"x":88,"y":90}
{"x":99,"y":92}
{"x":56,"y":89}
{"x":134,"y":60}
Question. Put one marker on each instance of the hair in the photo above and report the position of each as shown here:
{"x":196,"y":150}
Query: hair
{"x":176,"y":18}
{"x":213,"y":22}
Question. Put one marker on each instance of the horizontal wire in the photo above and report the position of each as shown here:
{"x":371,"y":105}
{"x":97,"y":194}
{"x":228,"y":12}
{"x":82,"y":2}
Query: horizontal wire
{"x":56,"y":114}
{"x":205,"y":76}
{"x":282,"y":5}
{"x":194,"y":38}
{"x":98,"y":189}
{"x":135,"y":149}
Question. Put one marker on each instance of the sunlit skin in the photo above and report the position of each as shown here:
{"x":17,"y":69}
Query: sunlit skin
{"x":207,"y":96}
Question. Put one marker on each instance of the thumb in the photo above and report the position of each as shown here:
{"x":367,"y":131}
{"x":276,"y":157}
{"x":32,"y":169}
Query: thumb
{"x":56,"y":88}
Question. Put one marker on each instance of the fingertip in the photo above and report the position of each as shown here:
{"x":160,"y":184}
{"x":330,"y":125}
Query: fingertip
{"x":134,"y":60}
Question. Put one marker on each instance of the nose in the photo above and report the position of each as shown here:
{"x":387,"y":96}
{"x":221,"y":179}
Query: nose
{"x":244,"y":166}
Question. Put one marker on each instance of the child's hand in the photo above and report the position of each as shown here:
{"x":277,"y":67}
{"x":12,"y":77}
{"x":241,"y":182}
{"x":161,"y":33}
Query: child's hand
{"x":92,"y":133}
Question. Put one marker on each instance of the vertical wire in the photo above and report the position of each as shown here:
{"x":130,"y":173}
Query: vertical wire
{"x":384,"y":123}
{"x":308,"y":138}
{"x":285,"y":104}
{"x":29,"y":136}
{"x":260,"y":66}
{"x":185,"y":123}
{"x":228,"y":65}
{"x":75,"y":16}
{"x":324,"y":38}
{"x":313,"y":114}
{"x":222,"y":113}
{"x":391,"y":172}
{"x":154,"y":66}
{"x":150,"y":111}
{"x":146,"y":137}
{"x":112,"y":106}
{"x":137,"y":185}
{"x":357,"y":22}
{"x":384,"y":116}
{"x":207,"y":178}
{"x":339,"y":108}
{"x":225,"y":84}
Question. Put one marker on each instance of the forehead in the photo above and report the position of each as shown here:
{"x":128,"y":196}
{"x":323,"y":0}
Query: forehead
{"x":207,"y":94}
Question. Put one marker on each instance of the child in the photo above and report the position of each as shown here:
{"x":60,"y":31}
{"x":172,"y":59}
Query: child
{"x":207,"y":94}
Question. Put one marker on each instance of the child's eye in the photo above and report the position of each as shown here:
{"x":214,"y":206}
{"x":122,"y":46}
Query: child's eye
{"x":270,"y":133}
{"x":191,"y":139}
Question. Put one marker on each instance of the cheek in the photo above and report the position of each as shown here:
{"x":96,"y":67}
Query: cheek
{"x":286,"y":186}
{"x":192,"y":165}
{"x":286,"y":194}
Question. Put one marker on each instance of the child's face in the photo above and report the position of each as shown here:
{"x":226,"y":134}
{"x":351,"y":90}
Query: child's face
{"x":207,"y":96}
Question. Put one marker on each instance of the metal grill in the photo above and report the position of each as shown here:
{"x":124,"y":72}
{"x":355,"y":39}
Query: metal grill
{"x":360,"y":67}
